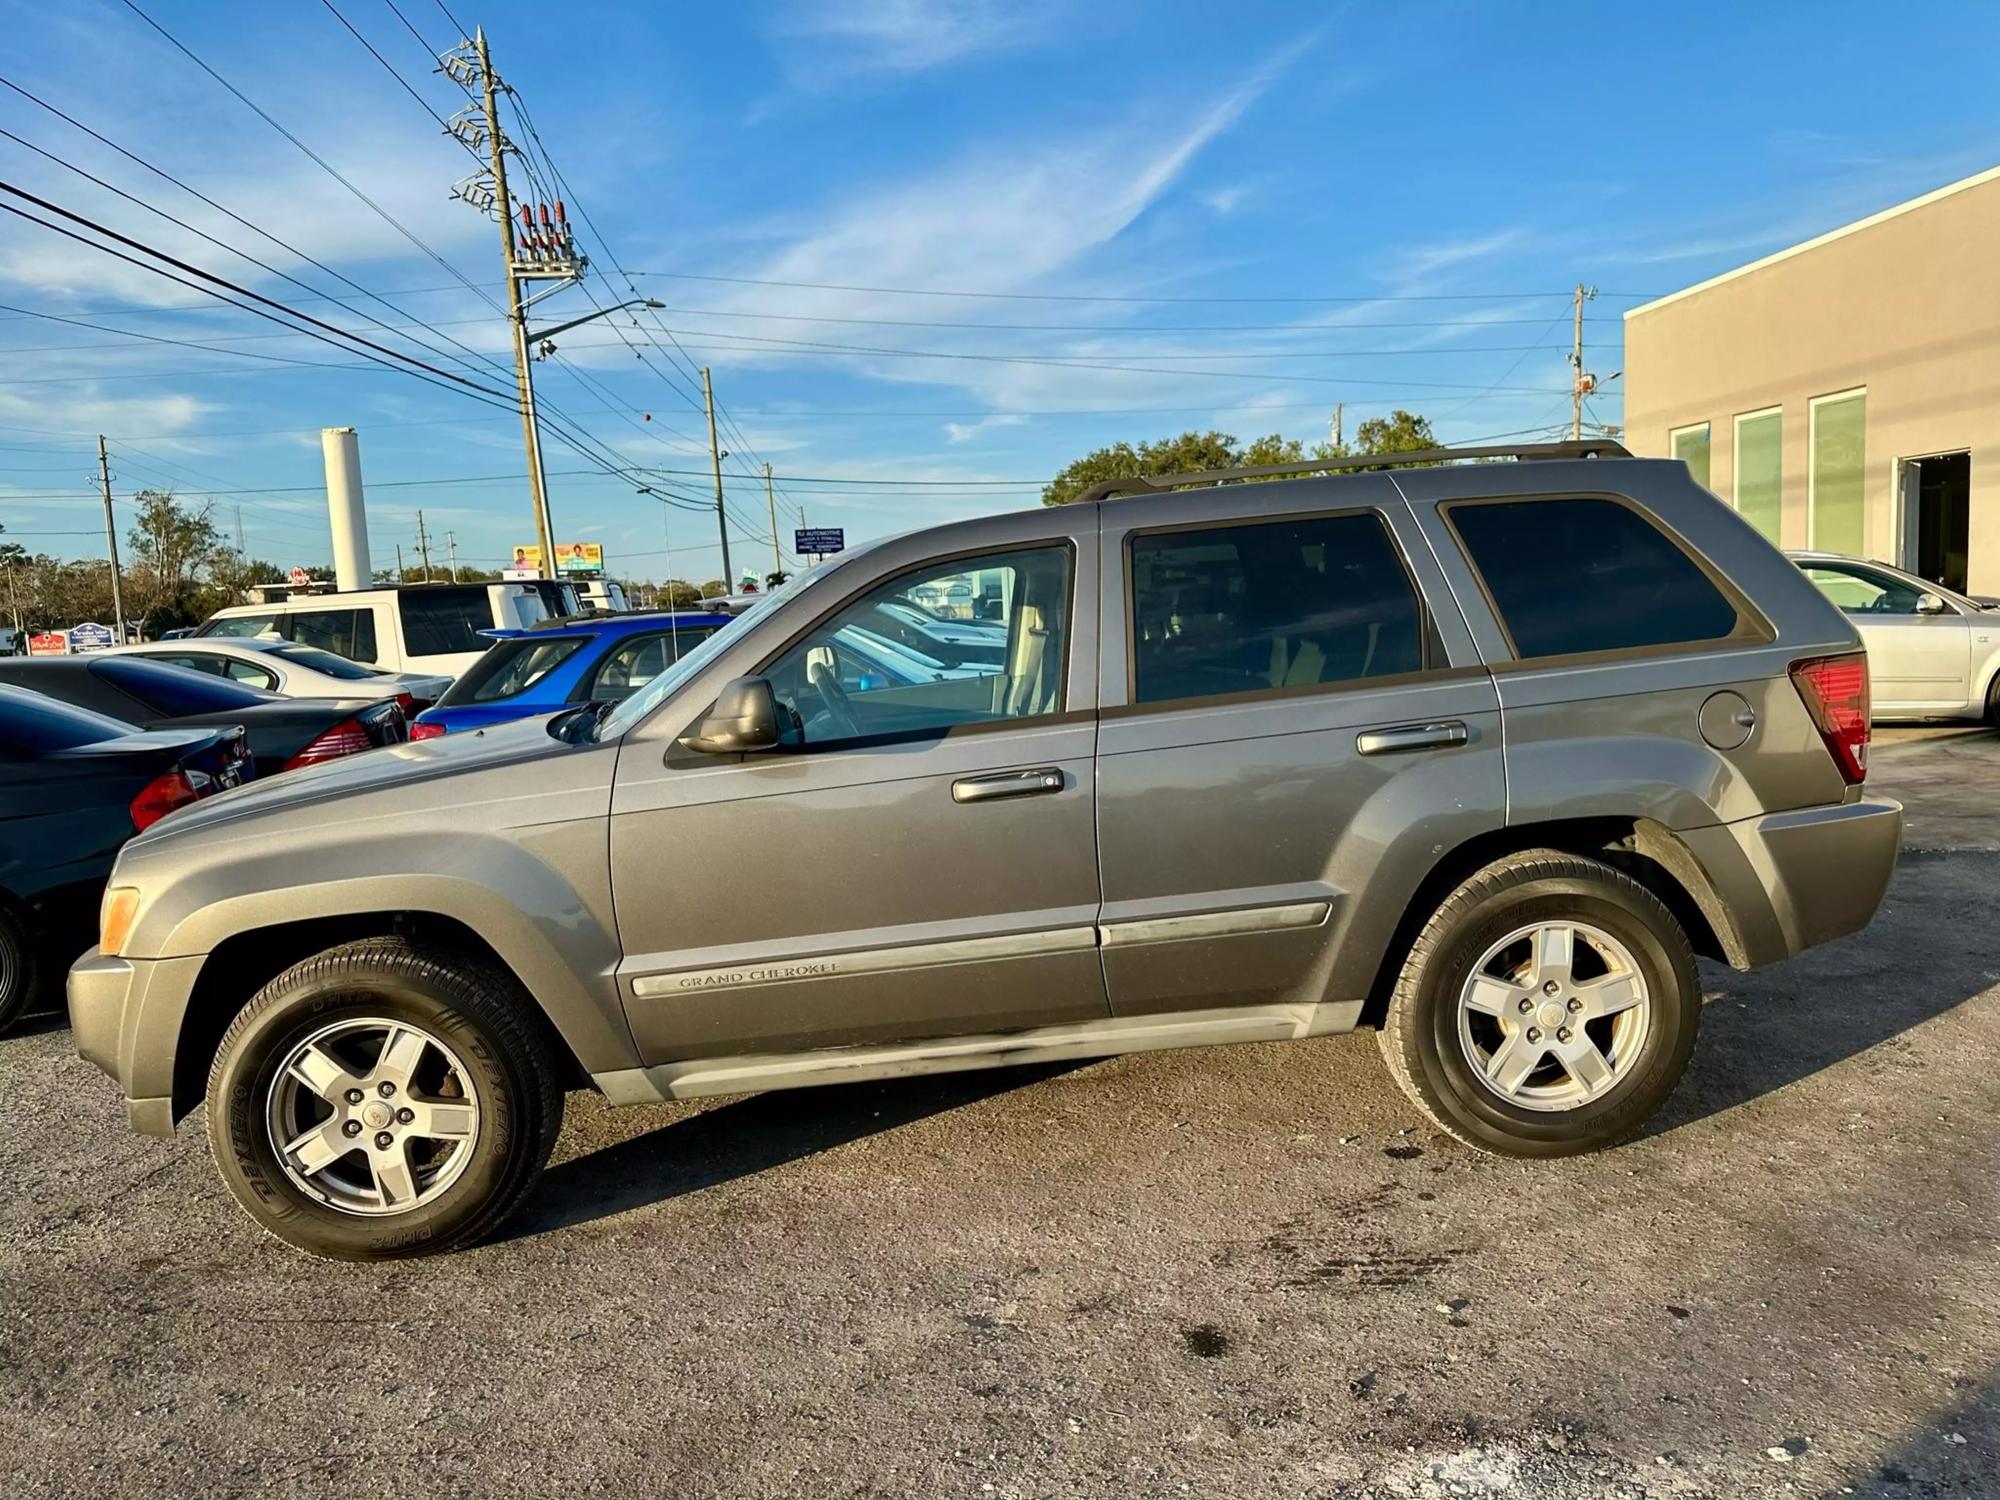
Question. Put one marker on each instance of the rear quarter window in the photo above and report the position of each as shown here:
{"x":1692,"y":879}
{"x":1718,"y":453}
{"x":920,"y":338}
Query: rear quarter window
{"x":1582,"y":574}
{"x":444,"y":621}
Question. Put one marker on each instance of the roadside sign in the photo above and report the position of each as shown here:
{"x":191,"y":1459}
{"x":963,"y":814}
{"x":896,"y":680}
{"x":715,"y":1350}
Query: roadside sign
{"x":819,"y":540}
{"x":48,"y":643}
{"x":90,"y":636}
{"x":299,"y":578}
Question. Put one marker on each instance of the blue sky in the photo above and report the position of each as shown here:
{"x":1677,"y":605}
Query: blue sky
{"x":1375,"y":205}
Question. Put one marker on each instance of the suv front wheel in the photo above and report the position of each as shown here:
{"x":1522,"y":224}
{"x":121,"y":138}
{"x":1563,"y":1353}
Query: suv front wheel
{"x":1548,"y":1007}
{"x":383,"y":1099}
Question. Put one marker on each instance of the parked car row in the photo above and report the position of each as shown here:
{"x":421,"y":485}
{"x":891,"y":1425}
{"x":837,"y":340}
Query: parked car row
{"x":1478,"y":756}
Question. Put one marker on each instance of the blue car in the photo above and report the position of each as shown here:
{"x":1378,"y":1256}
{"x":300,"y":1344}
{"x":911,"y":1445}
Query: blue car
{"x":558,"y":664}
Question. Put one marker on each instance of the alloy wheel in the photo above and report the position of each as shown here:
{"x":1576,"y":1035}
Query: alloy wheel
{"x":1554,"y":1015}
{"x":372,"y":1116}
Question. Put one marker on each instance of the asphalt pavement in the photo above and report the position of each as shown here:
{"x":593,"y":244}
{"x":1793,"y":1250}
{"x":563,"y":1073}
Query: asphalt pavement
{"x":1241,"y":1272}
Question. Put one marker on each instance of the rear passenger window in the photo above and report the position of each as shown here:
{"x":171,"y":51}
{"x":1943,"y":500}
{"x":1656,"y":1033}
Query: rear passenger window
{"x":1266,"y":607}
{"x":444,"y":621}
{"x":344,"y":632}
{"x":1577,"y":575}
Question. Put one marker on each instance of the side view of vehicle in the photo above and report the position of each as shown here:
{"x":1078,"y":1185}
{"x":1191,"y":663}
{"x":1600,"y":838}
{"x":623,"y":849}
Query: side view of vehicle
{"x":74,"y":786}
{"x":560,"y":663}
{"x":1932,"y":653}
{"x":1480,"y":756}
{"x":428,"y":628}
{"x":283,"y":733}
{"x":275,"y":665}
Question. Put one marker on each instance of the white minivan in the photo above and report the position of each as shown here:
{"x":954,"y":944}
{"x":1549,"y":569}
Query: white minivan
{"x":419,"y":627}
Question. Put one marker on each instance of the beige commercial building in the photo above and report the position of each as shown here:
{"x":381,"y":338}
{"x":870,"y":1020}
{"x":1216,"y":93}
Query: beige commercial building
{"x":1844,"y":394}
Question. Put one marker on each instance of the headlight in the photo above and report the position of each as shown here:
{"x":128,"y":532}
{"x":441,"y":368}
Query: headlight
{"x":121,"y":909}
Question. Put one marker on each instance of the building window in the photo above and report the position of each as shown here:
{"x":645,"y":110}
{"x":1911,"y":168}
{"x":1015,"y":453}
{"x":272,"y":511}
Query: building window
{"x":1759,"y":469}
{"x":1836,"y":481}
{"x":1690,"y":446}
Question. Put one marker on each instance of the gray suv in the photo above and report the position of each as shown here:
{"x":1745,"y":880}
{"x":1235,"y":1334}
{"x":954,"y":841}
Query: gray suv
{"x":1478,"y":755}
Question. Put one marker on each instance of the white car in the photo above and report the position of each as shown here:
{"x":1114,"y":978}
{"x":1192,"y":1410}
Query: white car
{"x":289,"y":669}
{"x":1933,"y":653}
{"x":430,"y":628}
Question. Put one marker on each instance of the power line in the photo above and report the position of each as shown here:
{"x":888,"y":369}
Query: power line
{"x":908,"y":291}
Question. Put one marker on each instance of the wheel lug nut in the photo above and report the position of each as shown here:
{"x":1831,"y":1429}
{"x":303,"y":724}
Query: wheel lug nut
{"x":1550,"y":988}
{"x":385,"y":1140}
{"x":404,"y":1116}
{"x":352,"y":1127}
{"x":1562,"y":1035}
{"x":385,"y":1089}
{"x":1575,"y":1005}
{"x":1526,"y":1006}
{"x":1534,"y":1034}
{"x":354,"y":1096}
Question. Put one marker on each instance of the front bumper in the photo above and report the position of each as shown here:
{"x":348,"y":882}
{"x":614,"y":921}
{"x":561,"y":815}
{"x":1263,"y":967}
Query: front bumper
{"x":125,"y":1015}
{"x":1792,"y":880}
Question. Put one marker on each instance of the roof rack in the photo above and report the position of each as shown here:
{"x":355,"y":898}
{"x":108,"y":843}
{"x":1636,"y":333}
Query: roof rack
{"x":1160,"y":483}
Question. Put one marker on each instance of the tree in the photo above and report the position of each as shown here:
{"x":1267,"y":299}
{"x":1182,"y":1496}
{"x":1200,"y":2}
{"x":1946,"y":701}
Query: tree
{"x":1194,"y":452}
{"x":171,"y":546}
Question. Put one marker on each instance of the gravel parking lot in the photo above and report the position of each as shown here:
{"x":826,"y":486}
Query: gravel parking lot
{"x":1237,"y":1272}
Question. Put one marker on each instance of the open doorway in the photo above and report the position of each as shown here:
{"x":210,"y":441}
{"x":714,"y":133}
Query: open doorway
{"x":1936,"y":494}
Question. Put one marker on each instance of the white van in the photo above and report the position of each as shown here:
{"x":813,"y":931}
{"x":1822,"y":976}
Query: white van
{"x":419,"y":627}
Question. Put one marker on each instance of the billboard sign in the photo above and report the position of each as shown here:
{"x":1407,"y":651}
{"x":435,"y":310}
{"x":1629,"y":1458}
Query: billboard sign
{"x":48,"y":643}
{"x":819,"y":540}
{"x":571,"y":558}
{"x":90,"y":636}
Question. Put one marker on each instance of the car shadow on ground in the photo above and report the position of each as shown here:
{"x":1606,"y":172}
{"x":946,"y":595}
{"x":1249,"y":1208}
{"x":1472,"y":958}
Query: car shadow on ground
{"x":1764,"y":1030}
{"x":1951,"y":1454}
{"x":746,"y":1136}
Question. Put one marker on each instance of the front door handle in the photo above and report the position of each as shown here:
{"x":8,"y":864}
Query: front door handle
{"x":1411,"y":737}
{"x":1039,"y":782}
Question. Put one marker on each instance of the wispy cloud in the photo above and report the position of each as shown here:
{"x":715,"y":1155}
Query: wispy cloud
{"x":961,"y":432}
{"x":911,"y":36}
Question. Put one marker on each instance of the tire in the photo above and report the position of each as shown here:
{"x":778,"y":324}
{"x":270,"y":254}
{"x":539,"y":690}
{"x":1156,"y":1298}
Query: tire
{"x":19,"y":970}
{"x":1443,"y":1031}
{"x":481,"y":1075}
{"x":1993,"y":702}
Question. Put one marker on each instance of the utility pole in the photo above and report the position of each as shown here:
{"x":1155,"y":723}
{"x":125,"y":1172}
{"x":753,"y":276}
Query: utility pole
{"x":1584,"y":382}
{"x":451,"y":551}
{"x":771,"y":504}
{"x":1339,"y":410}
{"x":240,"y":548}
{"x":399,"y":562}
{"x":545,"y":251}
{"x":424,"y":546}
{"x":715,"y":458}
{"x":111,"y":541}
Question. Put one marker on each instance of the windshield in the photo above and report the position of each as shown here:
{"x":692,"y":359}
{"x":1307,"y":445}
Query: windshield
{"x":326,"y":663}
{"x":656,"y":692}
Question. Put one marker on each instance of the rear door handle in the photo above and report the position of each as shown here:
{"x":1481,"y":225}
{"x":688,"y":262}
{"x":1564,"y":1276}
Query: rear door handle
{"x":1411,"y":737}
{"x":1040,"y":782}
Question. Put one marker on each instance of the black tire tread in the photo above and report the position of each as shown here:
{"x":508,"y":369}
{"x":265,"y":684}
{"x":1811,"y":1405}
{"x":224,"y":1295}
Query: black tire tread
{"x":27,"y":966}
{"x":490,"y":996}
{"x":1397,"y":1039}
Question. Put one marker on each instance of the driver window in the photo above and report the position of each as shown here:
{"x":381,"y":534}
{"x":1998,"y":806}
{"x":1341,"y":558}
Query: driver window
{"x":1858,"y":593}
{"x":972,"y":641}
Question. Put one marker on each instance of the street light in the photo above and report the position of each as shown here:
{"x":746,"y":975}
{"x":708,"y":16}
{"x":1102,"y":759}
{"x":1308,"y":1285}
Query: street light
{"x":542,"y":338}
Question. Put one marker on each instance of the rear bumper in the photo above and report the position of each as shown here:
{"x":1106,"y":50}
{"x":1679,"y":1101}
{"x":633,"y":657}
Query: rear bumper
{"x":1792,"y":880}
{"x":125,"y":1015}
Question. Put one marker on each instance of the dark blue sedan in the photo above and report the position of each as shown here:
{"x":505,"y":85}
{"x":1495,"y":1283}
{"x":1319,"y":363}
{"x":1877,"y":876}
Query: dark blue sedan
{"x":561,"y":663}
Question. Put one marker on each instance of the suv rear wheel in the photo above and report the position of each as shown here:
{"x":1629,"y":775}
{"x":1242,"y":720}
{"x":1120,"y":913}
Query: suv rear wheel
{"x":383,"y":1099}
{"x":17,"y":970}
{"x":1548,"y":1007}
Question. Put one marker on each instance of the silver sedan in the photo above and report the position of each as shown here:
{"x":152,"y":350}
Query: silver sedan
{"x":1933,"y":653}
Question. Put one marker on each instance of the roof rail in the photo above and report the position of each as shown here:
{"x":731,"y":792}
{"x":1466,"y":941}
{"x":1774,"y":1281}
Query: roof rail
{"x":1160,"y":483}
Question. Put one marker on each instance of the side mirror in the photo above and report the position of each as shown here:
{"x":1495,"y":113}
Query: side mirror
{"x":745,"y":717}
{"x":1930,"y":604}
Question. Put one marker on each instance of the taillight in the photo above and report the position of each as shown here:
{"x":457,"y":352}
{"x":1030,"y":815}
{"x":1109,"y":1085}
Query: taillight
{"x":161,"y":795}
{"x":345,"y":738}
{"x":1835,"y":692}
{"x":423,"y":729}
{"x":406,"y":702}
